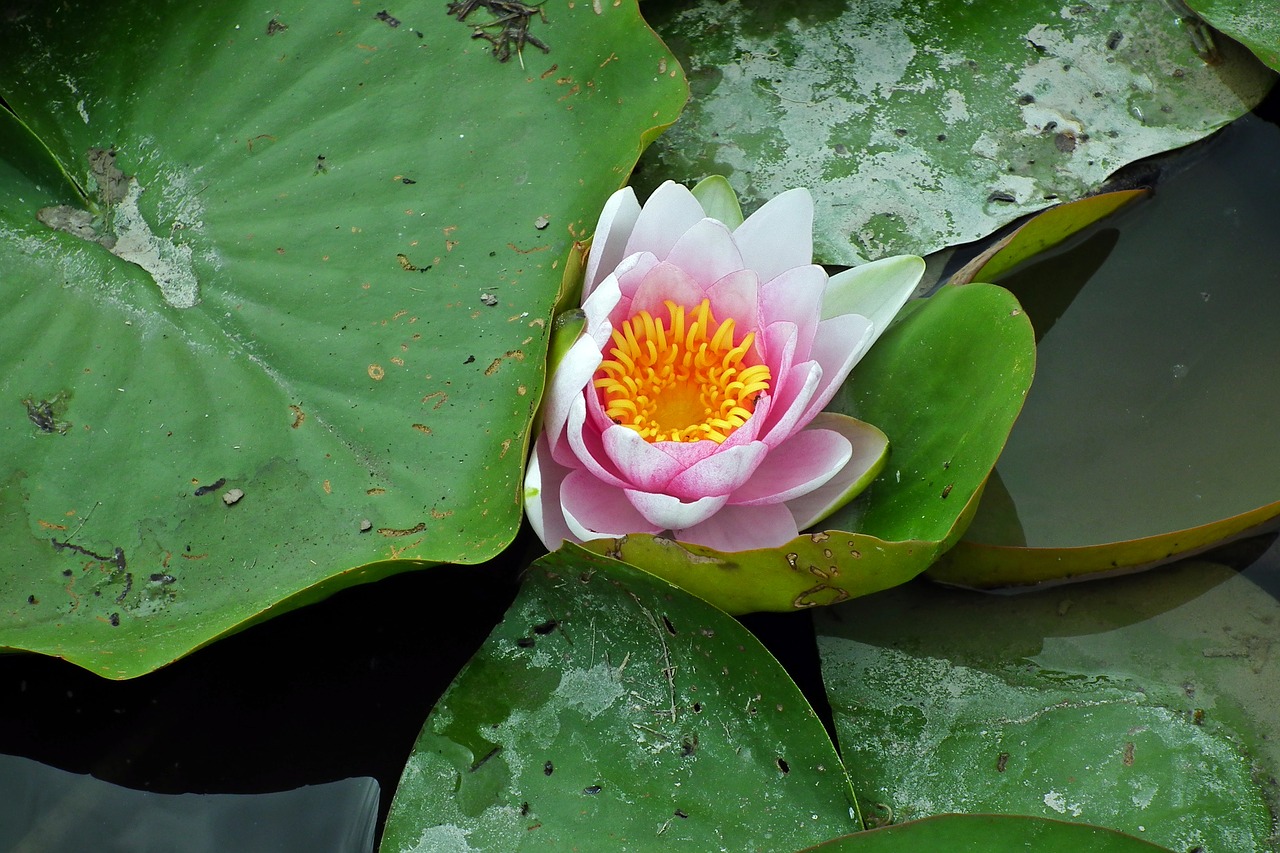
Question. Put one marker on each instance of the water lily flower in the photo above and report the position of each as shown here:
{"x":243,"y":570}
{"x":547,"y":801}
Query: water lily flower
{"x":691,"y":401}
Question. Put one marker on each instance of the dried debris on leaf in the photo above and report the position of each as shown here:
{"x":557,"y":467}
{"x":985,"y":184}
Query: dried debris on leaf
{"x":510,"y":24}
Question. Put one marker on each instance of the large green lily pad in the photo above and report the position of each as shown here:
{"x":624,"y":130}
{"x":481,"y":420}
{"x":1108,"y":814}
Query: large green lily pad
{"x":930,"y":122}
{"x":1145,"y":704}
{"x":945,"y":384}
{"x":612,"y":711}
{"x":337,"y":239}
{"x":1141,"y":440}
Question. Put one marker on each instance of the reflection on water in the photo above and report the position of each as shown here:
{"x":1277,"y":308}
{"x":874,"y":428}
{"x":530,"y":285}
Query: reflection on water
{"x":1155,"y":403}
{"x":45,"y":810}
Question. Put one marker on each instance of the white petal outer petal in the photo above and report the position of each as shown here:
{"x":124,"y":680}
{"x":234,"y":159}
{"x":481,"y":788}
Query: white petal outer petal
{"x":668,"y":513}
{"x":542,"y":481}
{"x":597,"y":308}
{"x":596,"y":510}
{"x":571,"y":376}
{"x":840,"y":343}
{"x":779,"y":235}
{"x":643,"y":463}
{"x":719,"y":474}
{"x":796,"y":467}
{"x":743,"y":528}
{"x":877,"y":290}
{"x":870,"y":451}
{"x":613,"y":230}
{"x":706,"y":252}
{"x":668,"y":213}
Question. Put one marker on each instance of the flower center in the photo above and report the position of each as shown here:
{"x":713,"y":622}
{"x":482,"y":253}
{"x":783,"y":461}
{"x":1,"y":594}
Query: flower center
{"x":680,"y":380}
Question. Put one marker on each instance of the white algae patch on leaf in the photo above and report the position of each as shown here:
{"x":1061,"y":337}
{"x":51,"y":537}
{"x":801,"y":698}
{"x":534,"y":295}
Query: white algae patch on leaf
{"x":920,"y":124}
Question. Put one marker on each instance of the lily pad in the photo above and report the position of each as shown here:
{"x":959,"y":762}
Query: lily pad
{"x":611,"y":710}
{"x":987,"y":834}
{"x":313,"y":265}
{"x":944,"y":383}
{"x":1253,"y":23}
{"x":933,"y":123}
{"x":1140,"y":441}
{"x":1144,"y":704}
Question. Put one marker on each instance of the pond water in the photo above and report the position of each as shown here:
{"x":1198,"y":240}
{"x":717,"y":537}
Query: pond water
{"x":340,"y":690}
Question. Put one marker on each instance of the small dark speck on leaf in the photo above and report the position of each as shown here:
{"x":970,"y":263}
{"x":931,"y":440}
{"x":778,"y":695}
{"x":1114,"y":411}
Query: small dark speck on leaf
{"x":114,"y":619}
{"x":212,"y":487}
{"x":66,"y":573}
{"x":942,"y":137}
{"x":783,"y":766}
{"x":1113,"y":40}
{"x":548,"y":769}
{"x":390,"y":21}
{"x":671,"y":629}
{"x":546,"y":627}
{"x":407,"y":181}
{"x":1026,"y":99}
{"x":274,"y":26}
{"x":1002,"y":760}
{"x":525,"y":642}
{"x":470,"y":359}
{"x":681,"y":813}
{"x":900,"y":131}
{"x":946,"y":490}
{"x":1005,"y":198}
{"x":591,"y":790}
{"x":541,"y":223}
{"x":161,"y":577}
{"x":31,"y":599}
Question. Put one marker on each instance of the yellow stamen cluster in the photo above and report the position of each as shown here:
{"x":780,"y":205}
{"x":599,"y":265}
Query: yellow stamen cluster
{"x":680,"y":380}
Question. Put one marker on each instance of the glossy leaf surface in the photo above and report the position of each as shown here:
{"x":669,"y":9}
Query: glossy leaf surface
{"x":945,"y":383}
{"x":1145,"y":704}
{"x":930,"y":122}
{"x":611,"y":710}
{"x":345,"y":233}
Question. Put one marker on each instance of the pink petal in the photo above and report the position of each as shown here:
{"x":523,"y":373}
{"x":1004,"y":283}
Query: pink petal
{"x":870,"y":450}
{"x":790,"y":412}
{"x":587,"y":444}
{"x":641,"y":463}
{"x":631,"y":273}
{"x":743,"y":528}
{"x":542,"y":484}
{"x":668,"y":513}
{"x":706,"y":252}
{"x":665,"y":281}
{"x":796,"y":467}
{"x":736,"y":297}
{"x":839,"y":345}
{"x":595,"y":510}
{"x":613,"y":230}
{"x":668,"y":213}
{"x":795,"y":296}
{"x":719,"y":474}
{"x":779,"y":235}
